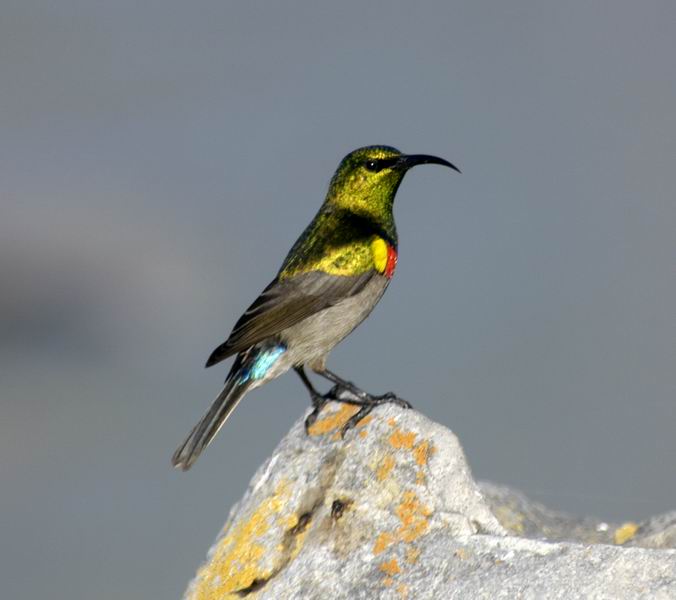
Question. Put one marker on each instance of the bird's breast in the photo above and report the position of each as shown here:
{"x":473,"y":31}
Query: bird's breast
{"x":315,"y":336}
{"x":384,"y":257}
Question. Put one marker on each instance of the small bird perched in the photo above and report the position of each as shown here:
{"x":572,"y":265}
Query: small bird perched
{"x":334,"y":275}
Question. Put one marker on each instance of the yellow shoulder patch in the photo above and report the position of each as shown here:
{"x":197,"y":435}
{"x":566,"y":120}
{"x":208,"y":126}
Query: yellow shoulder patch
{"x":379,"y":250}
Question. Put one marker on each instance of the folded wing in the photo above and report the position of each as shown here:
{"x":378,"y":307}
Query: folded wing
{"x":286,"y":302}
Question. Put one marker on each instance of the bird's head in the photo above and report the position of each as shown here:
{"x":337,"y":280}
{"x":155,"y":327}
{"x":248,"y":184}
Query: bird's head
{"x":367,"y":179}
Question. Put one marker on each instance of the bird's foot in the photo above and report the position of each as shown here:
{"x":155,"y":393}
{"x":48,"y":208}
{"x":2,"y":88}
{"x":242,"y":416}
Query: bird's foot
{"x":366,"y":401}
{"x":318,"y":403}
{"x":352,"y":395}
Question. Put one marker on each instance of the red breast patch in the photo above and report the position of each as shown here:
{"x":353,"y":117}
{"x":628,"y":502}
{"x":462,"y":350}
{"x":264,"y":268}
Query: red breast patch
{"x":391,"y":263}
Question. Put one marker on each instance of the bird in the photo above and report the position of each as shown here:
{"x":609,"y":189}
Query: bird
{"x":331,"y":279}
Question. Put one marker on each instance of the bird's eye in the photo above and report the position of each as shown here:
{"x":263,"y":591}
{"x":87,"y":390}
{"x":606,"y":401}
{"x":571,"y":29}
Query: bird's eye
{"x":372,"y":165}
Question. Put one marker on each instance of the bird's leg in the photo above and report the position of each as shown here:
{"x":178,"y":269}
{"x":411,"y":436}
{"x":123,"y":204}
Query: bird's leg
{"x":366,"y":401}
{"x":318,"y":400}
{"x":362,"y":398}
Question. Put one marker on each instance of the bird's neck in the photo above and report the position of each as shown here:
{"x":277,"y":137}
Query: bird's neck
{"x":334,"y":228}
{"x":366,"y":223}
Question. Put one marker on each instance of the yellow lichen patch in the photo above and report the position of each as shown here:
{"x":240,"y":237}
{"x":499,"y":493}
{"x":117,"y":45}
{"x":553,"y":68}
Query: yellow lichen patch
{"x":388,"y":581}
{"x":386,"y":466}
{"x":402,"y":440}
{"x":402,"y":590}
{"x":235,"y":562}
{"x":334,"y":420}
{"x":391,"y":567}
{"x":510,"y":519}
{"x":382,"y":542}
{"x":413,"y":516}
{"x":291,"y":521}
{"x":412,"y":555}
{"x":391,"y":421}
{"x":363,"y":433}
{"x":422,"y":453}
{"x":420,"y":477}
{"x":624,"y":533}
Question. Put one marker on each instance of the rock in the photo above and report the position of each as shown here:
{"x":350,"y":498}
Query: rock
{"x":392,"y":511}
{"x":656,"y":532}
{"x":523,"y":517}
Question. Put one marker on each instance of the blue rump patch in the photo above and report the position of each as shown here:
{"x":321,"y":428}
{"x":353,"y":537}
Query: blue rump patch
{"x":262,"y":363}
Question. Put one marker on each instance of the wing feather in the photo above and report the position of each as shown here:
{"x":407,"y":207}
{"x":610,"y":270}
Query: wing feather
{"x":286,"y":302}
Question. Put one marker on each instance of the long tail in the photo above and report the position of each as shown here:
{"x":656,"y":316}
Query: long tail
{"x":202,"y":434}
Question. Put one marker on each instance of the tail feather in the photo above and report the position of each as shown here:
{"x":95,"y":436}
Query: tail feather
{"x":202,"y":434}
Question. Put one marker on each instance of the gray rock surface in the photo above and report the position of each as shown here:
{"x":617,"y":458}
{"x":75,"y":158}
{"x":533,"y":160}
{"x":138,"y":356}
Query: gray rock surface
{"x":392,"y":511}
{"x":523,"y":517}
{"x":656,"y":532}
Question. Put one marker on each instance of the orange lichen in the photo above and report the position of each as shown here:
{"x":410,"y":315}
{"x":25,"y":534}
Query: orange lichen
{"x":391,"y":421}
{"x":382,"y":542}
{"x":386,"y":466}
{"x":402,"y":439}
{"x":402,"y":590}
{"x":365,"y":421}
{"x":412,"y":555}
{"x":420,"y":477}
{"x":363,"y":433}
{"x":391,"y":567}
{"x":334,"y":420}
{"x":414,"y":522}
{"x":413,"y":516}
{"x":235,"y":562}
{"x":422,"y":452}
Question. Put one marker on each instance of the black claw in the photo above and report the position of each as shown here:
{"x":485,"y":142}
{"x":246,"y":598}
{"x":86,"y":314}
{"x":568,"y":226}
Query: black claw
{"x":355,"y":418}
{"x":365,"y":401}
{"x":368,"y":403}
{"x":391,"y":397}
{"x":334,"y":393}
{"x":318,"y":402}
{"x":309,"y":421}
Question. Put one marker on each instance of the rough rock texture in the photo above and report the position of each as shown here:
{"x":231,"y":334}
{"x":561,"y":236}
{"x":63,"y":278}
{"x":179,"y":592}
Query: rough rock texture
{"x":523,"y":517}
{"x":392,"y":511}
{"x":656,"y":532}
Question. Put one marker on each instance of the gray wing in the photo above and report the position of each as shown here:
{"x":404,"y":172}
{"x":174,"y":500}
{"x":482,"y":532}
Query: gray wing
{"x":287,"y":302}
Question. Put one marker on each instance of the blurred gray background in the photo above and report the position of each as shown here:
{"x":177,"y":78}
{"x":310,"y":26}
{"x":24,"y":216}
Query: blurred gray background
{"x":158,"y":159}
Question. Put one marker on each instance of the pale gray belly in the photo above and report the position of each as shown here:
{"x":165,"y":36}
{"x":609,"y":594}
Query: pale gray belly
{"x":313,"y":338}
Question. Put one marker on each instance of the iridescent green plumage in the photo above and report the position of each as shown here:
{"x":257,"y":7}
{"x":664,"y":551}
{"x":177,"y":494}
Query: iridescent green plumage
{"x":358,"y":208}
{"x":329,"y":282}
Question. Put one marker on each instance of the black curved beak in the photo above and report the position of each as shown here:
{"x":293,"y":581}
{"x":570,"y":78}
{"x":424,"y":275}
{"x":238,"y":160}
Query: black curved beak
{"x":411,"y":160}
